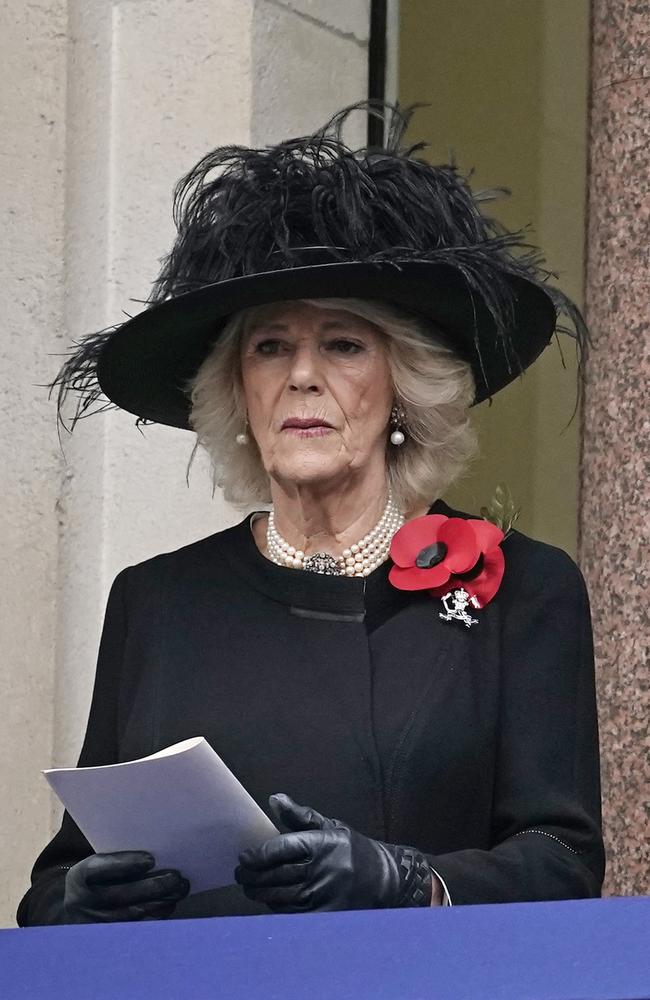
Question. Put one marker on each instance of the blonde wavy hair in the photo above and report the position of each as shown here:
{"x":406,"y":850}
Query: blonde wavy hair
{"x":434,"y":386}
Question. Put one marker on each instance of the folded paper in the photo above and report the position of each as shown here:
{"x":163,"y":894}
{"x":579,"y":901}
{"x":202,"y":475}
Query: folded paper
{"x":182,"y":804}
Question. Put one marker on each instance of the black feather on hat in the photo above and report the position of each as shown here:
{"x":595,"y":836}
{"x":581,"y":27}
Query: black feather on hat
{"x":312,"y":218}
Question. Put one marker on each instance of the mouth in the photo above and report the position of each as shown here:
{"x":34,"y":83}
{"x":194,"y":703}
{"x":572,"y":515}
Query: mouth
{"x":303,"y":425}
{"x":306,"y":428}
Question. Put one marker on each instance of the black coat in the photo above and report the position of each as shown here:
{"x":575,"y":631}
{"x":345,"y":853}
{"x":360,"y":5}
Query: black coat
{"x":479,"y":745}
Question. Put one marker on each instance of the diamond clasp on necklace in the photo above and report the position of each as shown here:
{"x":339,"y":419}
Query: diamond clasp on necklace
{"x":322,"y":562}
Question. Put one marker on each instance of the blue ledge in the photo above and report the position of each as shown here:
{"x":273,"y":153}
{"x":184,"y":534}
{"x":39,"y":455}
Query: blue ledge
{"x":594,"y":949}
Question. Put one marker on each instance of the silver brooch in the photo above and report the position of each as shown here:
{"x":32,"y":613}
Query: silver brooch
{"x":456,"y":603}
{"x":322,"y":562}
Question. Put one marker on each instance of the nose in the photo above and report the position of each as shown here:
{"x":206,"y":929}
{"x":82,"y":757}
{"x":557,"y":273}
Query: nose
{"x":304,"y":369}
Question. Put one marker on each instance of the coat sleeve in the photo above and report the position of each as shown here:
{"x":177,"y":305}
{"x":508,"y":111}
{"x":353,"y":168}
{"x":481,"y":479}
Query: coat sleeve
{"x":546,"y":818}
{"x":42,"y":903}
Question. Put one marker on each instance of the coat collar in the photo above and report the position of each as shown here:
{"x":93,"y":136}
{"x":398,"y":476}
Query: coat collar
{"x":315,"y":595}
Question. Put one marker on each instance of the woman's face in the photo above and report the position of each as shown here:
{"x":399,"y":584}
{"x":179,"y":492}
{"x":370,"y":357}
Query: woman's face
{"x":299,"y":360}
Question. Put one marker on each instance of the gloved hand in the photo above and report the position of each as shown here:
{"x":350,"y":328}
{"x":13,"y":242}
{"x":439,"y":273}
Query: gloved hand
{"x":120,"y":886}
{"x":325,"y":865}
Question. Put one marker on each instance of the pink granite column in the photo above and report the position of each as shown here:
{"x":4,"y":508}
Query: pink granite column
{"x":615,"y":483}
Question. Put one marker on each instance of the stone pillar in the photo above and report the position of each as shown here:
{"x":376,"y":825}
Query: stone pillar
{"x":615,"y":485}
{"x":32,"y":124}
{"x":109,"y":104}
{"x":142,"y":80}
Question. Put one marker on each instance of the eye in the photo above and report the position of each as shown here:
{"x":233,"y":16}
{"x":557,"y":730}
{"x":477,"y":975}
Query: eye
{"x":348,"y":343}
{"x":263,"y":343}
{"x":341,"y":344}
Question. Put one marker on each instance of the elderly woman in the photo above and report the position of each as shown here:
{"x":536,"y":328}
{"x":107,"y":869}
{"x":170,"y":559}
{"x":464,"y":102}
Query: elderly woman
{"x":407,"y":689}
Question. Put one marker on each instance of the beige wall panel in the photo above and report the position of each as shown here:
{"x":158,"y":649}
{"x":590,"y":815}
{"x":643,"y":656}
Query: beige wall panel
{"x":349,"y":19}
{"x":32,"y":122}
{"x":149,"y":72}
{"x":306,"y":69}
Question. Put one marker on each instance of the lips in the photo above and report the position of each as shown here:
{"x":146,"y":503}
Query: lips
{"x":296,"y":422}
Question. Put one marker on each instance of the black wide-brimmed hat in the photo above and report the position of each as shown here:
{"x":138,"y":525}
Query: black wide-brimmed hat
{"x":312,"y":218}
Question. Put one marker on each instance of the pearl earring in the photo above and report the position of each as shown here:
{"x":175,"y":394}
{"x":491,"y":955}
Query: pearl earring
{"x":243,"y":437}
{"x":397,"y":416}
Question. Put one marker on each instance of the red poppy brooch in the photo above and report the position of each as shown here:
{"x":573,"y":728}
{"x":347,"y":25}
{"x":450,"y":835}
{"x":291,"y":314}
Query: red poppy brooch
{"x":458,"y":560}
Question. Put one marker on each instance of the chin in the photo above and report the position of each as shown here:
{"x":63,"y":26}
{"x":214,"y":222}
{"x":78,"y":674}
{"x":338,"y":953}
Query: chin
{"x":305,"y":461}
{"x":305,"y":472}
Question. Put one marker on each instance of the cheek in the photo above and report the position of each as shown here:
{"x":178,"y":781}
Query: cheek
{"x":368,"y":391}
{"x":258,"y":390}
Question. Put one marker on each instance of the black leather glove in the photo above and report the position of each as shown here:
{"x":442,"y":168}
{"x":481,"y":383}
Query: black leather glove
{"x":114,"y":886}
{"x":324,"y":865}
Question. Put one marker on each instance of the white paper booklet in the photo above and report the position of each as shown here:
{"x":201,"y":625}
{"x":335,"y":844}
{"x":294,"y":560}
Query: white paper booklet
{"x":182,"y":804}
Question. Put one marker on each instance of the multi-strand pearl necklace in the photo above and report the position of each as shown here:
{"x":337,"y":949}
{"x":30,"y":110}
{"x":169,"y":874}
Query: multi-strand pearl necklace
{"x":359,"y":559}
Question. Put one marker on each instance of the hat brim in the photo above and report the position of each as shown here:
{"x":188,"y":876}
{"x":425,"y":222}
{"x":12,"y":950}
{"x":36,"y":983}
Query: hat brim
{"x":148,"y":360}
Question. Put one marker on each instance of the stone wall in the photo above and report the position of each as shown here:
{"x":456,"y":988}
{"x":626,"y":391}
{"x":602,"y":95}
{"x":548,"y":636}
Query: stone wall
{"x":615,"y":489}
